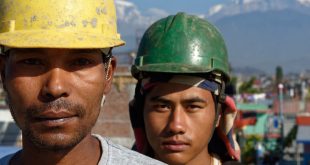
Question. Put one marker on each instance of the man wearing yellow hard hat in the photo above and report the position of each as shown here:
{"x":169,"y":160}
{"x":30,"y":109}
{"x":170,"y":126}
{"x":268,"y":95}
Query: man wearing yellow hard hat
{"x":56,"y":67}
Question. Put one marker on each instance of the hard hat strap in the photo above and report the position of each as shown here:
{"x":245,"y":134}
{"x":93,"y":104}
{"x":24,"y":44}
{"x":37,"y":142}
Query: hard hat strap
{"x":107,"y":67}
{"x":222,"y":96}
{"x":3,"y":50}
{"x":106,"y":54}
{"x":106,"y":51}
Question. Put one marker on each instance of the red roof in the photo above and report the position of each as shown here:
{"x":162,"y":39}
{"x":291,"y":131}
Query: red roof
{"x":303,"y":120}
{"x":239,"y":123}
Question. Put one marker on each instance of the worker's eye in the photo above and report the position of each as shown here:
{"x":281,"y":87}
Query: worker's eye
{"x":31,"y":61}
{"x":82,"y":62}
{"x":194,"y":107}
{"x":162,"y":107}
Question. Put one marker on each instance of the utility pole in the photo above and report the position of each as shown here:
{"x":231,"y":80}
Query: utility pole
{"x":280,"y":87}
{"x":304,"y":92}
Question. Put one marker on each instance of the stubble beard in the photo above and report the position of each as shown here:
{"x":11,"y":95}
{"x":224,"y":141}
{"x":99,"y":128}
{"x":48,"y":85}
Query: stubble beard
{"x":56,"y":142}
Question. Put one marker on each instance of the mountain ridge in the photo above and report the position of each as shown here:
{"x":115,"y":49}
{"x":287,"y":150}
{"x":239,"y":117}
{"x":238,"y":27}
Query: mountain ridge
{"x":267,"y":39}
{"x":235,"y":7}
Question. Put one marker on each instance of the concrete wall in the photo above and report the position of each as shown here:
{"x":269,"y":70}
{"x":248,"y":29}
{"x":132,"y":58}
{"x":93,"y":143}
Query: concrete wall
{"x":114,"y":117}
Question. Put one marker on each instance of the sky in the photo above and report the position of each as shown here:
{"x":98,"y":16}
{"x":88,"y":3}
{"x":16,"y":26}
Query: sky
{"x":174,"y":6}
{"x":248,"y":45}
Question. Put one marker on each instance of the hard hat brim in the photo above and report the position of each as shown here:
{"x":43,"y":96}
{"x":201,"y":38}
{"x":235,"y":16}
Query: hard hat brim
{"x":58,"y":39}
{"x":173,"y":68}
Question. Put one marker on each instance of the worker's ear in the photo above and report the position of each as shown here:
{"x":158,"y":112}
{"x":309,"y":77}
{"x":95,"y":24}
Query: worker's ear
{"x":110,"y":68}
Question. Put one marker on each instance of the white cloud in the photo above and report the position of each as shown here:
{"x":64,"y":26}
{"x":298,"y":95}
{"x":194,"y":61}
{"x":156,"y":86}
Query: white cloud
{"x":304,"y":2}
{"x":216,"y":9}
{"x":157,"y":12}
{"x":248,"y":1}
{"x":128,"y":12}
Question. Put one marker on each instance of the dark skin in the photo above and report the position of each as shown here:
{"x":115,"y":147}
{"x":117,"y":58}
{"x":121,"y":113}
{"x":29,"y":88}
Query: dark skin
{"x":55,"y":98}
{"x":179,"y":123}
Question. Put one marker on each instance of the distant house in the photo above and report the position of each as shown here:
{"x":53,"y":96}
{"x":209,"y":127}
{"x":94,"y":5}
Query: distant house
{"x":303,"y":135}
{"x":254,"y":116}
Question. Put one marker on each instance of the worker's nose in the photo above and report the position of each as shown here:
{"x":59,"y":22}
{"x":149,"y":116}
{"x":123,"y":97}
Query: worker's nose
{"x":56,"y":84}
{"x":177,"y":123}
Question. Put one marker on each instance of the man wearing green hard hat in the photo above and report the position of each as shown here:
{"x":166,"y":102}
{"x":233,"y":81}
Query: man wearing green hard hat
{"x":180,"y":113}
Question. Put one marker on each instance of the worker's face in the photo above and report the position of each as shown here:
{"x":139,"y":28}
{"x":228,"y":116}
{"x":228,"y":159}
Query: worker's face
{"x":55,"y":94}
{"x":179,"y":122}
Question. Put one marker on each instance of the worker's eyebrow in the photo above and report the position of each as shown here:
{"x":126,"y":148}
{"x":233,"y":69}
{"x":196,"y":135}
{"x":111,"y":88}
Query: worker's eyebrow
{"x":195,"y":100}
{"x":159,"y":99}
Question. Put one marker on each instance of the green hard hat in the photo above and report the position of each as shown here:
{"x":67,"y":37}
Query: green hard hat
{"x":181,"y":43}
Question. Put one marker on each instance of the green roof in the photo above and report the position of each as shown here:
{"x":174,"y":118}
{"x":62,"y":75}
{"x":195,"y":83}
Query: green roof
{"x":259,"y":127}
{"x":252,"y":107}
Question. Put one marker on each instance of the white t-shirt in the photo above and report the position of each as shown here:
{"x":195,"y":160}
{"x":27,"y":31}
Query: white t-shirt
{"x":112,"y":154}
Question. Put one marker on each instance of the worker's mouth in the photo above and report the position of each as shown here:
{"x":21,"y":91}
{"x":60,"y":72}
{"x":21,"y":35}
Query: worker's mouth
{"x":55,"y":118}
{"x":175,"y":145}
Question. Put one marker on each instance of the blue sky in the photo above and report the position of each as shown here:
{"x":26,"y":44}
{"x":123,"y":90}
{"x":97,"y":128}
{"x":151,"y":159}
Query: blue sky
{"x":173,"y":6}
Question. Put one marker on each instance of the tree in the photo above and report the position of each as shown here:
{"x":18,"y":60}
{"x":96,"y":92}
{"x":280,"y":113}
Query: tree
{"x":279,"y":75}
{"x":247,"y":87}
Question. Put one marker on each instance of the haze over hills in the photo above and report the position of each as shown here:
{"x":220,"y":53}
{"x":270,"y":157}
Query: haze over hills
{"x":266,"y":33}
{"x":267,"y":39}
{"x":259,"y":33}
{"x":235,"y":7}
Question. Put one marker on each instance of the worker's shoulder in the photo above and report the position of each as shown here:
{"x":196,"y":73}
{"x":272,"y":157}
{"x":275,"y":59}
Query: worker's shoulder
{"x":5,"y":160}
{"x":116,"y":154}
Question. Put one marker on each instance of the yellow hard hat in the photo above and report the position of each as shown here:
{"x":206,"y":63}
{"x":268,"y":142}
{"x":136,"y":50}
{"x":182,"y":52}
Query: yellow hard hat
{"x":58,"y":24}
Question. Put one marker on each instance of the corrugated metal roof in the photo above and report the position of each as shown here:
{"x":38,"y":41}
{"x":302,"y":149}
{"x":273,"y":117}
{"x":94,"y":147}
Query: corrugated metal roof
{"x":303,"y":134}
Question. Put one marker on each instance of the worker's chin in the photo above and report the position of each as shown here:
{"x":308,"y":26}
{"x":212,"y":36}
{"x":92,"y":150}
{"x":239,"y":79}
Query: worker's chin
{"x":55,"y":141}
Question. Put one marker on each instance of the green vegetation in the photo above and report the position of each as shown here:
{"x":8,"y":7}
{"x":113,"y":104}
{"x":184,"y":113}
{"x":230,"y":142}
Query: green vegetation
{"x":290,"y":137}
{"x":279,"y":75}
{"x":248,"y":86}
{"x":249,"y":151}
{"x":308,"y":95}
